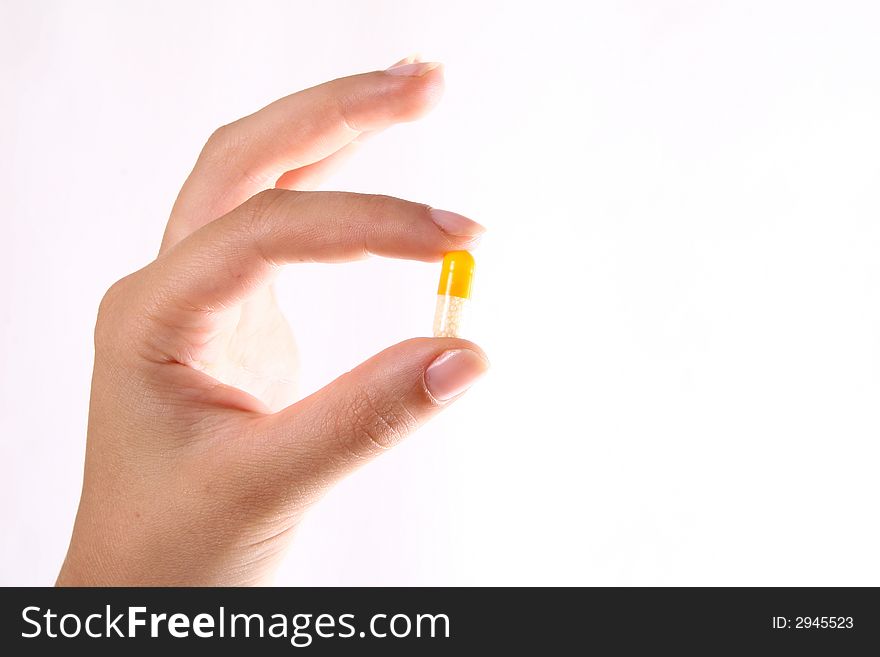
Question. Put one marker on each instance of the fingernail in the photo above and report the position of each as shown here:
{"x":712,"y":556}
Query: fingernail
{"x":414,"y":70}
{"x":407,"y":60}
{"x":456,"y":224}
{"x":453,"y":372}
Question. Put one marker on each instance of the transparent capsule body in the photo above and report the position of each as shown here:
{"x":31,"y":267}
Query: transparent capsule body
{"x":450,"y":316}
{"x":453,"y":294}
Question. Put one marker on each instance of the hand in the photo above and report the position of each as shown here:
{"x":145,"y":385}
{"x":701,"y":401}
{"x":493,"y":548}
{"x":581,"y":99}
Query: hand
{"x":197,"y":468}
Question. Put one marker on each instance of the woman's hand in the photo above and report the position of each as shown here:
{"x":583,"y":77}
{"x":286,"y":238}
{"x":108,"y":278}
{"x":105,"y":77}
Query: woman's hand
{"x":196,"y":468}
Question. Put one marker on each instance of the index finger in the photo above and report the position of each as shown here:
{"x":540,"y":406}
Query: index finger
{"x":223,"y":263}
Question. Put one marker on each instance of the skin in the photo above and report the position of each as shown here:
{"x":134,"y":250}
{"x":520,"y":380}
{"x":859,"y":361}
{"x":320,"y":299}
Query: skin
{"x":198,"y":465}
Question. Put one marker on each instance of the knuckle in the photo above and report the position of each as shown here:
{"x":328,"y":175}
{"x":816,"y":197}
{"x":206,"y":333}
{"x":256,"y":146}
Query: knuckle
{"x":382,"y":205}
{"x":342,"y":106}
{"x":111,"y":313}
{"x":382,"y":209}
{"x":228,"y":149}
{"x":260,"y":207}
{"x":377,"y":424}
{"x":267,"y":200}
{"x":221,"y":142}
{"x":256,"y":222}
{"x":256,"y":216}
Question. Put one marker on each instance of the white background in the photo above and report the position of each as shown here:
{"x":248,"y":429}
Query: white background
{"x":679,"y":291}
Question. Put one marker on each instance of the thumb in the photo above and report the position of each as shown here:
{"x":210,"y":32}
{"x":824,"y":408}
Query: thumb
{"x":366,"y":411}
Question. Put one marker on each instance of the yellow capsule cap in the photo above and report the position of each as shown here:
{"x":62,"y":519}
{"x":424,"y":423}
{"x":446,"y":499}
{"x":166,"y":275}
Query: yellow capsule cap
{"x":456,"y":275}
